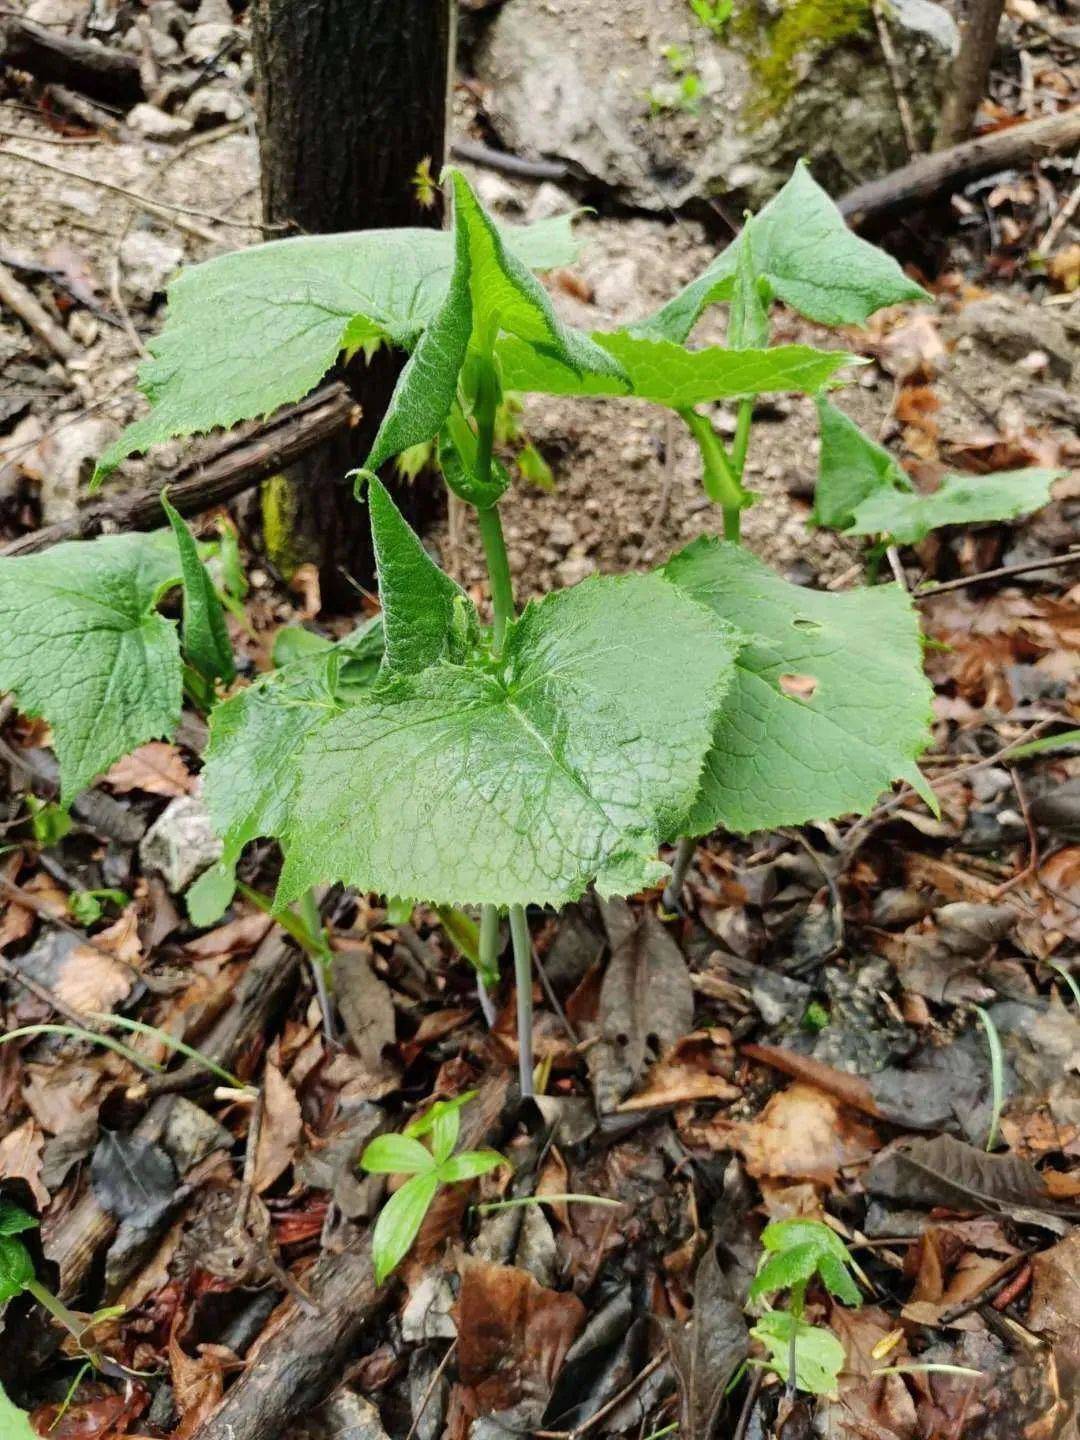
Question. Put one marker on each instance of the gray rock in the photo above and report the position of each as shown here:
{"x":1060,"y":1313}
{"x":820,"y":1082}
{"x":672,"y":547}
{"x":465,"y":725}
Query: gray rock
{"x":212,"y":106}
{"x":204,"y":42}
{"x":214,"y":12}
{"x":153,"y":124}
{"x":68,"y":463}
{"x":1013,"y":331}
{"x":58,"y":14}
{"x":594,"y":85}
{"x":147,"y":261}
{"x":181,"y":843}
{"x":190,"y":1134}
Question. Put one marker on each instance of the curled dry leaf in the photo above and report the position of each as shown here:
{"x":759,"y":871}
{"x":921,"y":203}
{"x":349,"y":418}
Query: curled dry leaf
{"x":706,"y":1352}
{"x":279,"y":1129}
{"x":804,"y":1134}
{"x":697,"y":1067}
{"x":513,"y":1335}
{"x":20,"y":1159}
{"x":367,"y":1008}
{"x":156,"y":768}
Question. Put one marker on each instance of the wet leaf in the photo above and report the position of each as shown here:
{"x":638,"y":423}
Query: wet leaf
{"x":947,"y":1171}
{"x":707,"y":1351}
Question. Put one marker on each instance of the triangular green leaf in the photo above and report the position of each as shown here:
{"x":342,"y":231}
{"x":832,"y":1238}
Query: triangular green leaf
{"x":507,"y":297}
{"x":82,"y":645}
{"x":785,"y":1269}
{"x":961,"y":500}
{"x":258,"y":328}
{"x":851,"y":467}
{"x":424,"y":612}
{"x":469,"y":783}
{"x":667,"y":374}
{"x":811,"y":260}
{"x":830,"y":703}
{"x":14,"y":1423}
{"x":205,"y":638}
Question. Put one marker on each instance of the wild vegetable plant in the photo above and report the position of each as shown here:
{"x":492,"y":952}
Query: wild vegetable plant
{"x":796,"y":1252}
{"x":429,"y":1167}
{"x":435,"y":757}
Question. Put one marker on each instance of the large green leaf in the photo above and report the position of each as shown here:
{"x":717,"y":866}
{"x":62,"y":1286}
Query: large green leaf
{"x":803,"y":248}
{"x":258,"y":328}
{"x":425,"y":615}
{"x":830,"y":704}
{"x":851,"y":467}
{"x":14,"y":1423}
{"x":667,"y":374}
{"x":568,"y":762}
{"x":819,"y":1355}
{"x":907,"y":518}
{"x":82,"y":645}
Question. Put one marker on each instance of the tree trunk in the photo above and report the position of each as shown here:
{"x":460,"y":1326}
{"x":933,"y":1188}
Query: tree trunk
{"x":970,"y":71}
{"x":352,"y":98}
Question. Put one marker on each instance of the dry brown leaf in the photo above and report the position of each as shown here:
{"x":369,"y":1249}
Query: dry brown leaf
{"x":156,"y":768}
{"x":697,"y":1067}
{"x":279,"y":1129}
{"x":234,"y":937}
{"x":90,"y":981}
{"x":121,"y":938}
{"x":198,"y":1383}
{"x":513,"y":1335}
{"x":804,"y":1134}
{"x":1054,"y":1310}
{"x":20,"y":1159}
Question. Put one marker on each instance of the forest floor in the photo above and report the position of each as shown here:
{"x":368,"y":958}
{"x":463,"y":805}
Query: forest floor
{"x":811,"y":1044}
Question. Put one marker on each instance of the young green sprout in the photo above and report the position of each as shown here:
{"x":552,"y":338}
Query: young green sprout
{"x":429,"y":1168}
{"x":807,"y":1357}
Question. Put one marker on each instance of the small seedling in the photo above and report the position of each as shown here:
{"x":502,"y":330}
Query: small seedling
{"x":713,"y":14}
{"x":86,"y":907}
{"x":807,"y":1357}
{"x":429,"y":1169}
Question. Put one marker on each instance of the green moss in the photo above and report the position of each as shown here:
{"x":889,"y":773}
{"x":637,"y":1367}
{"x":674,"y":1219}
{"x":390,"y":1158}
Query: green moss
{"x":780,"y":42}
{"x":280,"y":503}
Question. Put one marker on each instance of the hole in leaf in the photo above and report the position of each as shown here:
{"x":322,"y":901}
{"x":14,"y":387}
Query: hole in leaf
{"x":802,"y":623}
{"x":798,"y":687}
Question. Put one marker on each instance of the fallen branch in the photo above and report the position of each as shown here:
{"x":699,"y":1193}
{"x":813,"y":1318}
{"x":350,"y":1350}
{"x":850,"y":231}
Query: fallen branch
{"x":242,"y":462}
{"x":83,"y":1232}
{"x":302,"y":1355}
{"x":84,"y":65}
{"x":473,"y":152}
{"x":1029,"y":567}
{"x":19,"y":299}
{"x":929,"y":175}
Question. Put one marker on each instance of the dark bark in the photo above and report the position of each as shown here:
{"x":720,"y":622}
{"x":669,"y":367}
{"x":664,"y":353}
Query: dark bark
{"x":95,"y":70}
{"x":928,"y":176}
{"x":970,"y":71}
{"x":352,"y":97}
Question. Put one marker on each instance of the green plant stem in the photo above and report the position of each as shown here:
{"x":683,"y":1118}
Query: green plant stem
{"x":719,"y":476}
{"x":320,"y":959}
{"x":502,"y":590}
{"x":90,"y":1036}
{"x":491,"y":1207}
{"x":488,"y":954}
{"x":519,"y":934}
{"x":59,"y":1311}
{"x":684,"y":854}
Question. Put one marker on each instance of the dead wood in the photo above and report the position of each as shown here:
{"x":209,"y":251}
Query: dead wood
{"x":83,"y":65}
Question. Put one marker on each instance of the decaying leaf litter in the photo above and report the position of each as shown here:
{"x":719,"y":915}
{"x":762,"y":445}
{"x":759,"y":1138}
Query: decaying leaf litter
{"x":809,"y":1048}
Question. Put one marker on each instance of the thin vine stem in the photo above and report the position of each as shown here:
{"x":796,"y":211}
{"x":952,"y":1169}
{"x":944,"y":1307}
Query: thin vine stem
{"x":519,"y":934}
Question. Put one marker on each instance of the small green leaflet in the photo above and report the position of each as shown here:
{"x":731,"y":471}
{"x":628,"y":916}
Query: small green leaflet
{"x":851,"y":467}
{"x":830,"y":704}
{"x":468,"y":783}
{"x":258,"y":328}
{"x":205,"y":638}
{"x":14,"y":1423}
{"x":424,"y":611}
{"x":810,"y":259}
{"x":16,"y":1267}
{"x":819,"y":1355}
{"x":796,"y":1250}
{"x":13,"y":1220}
{"x":490,"y":291}
{"x":666,"y":374}
{"x":400,"y":1220}
{"x":82,"y":645}
{"x":961,"y":500}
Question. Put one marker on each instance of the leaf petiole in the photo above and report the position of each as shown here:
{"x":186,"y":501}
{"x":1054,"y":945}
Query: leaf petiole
{"x":719,"y":476}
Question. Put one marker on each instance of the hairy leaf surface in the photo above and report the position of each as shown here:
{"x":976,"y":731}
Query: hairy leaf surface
{"x":82,"y":645}
{"x":258,"y":328}
{"x":830,"y":704}
{"x":851,"y":467}
{"x":802,"y":246}
{"x":666,"y":374}
{"x":470,"y":783}
{"x":962,"y":500}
